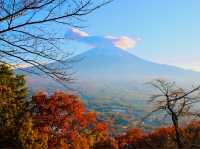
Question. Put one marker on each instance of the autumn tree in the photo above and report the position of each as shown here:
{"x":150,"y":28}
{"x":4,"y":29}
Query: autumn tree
{"x":175,"y":102}
{"x":130,"y":139}
{"x":61,"y":121}
{"x":160,"y":138}
{"x":30,"y":32}
{"x":191,"y":135}
{"x":13,"y":105}
{"x":110,"y":143}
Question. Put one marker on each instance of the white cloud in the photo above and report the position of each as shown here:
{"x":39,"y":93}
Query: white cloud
{"x":196,"y":69}
{"x":125,"y":42}
{"x":79,"y":32}
{"x":122,"y":42}
{"x":75,"y":33}
{"x":24,"y":65}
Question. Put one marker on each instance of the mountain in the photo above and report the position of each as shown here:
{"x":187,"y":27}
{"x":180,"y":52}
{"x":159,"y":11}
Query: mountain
{"x":112,"y":73}
{"x":115,"y":64}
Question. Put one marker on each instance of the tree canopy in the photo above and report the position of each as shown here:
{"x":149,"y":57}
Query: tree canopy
{"x":13,"y":105}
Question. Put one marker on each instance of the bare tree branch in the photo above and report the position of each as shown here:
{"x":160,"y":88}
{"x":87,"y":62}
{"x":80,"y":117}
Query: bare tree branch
{"x":175,"y":102}
{"x":28,"y":34}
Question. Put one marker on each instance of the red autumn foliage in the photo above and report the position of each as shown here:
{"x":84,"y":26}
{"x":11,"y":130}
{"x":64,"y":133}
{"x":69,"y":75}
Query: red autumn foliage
{"x":63,"y":117}
{"x":132,"y":137}
{"x":161,"y":138}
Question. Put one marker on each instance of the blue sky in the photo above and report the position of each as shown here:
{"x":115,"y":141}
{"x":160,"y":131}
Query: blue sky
{"x":169,"y":29}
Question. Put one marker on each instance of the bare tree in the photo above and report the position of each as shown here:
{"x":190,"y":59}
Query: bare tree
{"x":175,"y":102}
{"x":29,"y":32}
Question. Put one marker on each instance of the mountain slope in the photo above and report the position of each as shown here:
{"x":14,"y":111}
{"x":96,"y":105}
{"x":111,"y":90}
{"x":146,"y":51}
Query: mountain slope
{"x":116,"y":64}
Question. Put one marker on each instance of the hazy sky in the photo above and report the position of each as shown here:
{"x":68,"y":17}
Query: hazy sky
{"x":169,"y":29}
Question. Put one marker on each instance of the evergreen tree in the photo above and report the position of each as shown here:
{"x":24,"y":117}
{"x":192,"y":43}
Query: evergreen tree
{"x":13,"y":92}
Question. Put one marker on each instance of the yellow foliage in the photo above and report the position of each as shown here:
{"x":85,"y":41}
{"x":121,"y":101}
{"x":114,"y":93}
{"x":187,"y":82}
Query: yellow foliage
{"x":32,"y":138}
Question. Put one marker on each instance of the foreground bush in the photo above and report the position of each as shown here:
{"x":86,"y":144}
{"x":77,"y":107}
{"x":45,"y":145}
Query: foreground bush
{"x":61,"y":121}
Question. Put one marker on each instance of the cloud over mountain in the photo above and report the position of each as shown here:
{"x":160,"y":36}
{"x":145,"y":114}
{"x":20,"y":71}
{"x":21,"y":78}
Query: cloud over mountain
{"x":122,"y":42}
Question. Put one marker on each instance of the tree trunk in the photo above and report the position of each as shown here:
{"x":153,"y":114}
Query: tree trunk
{"x":177,"y":133}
